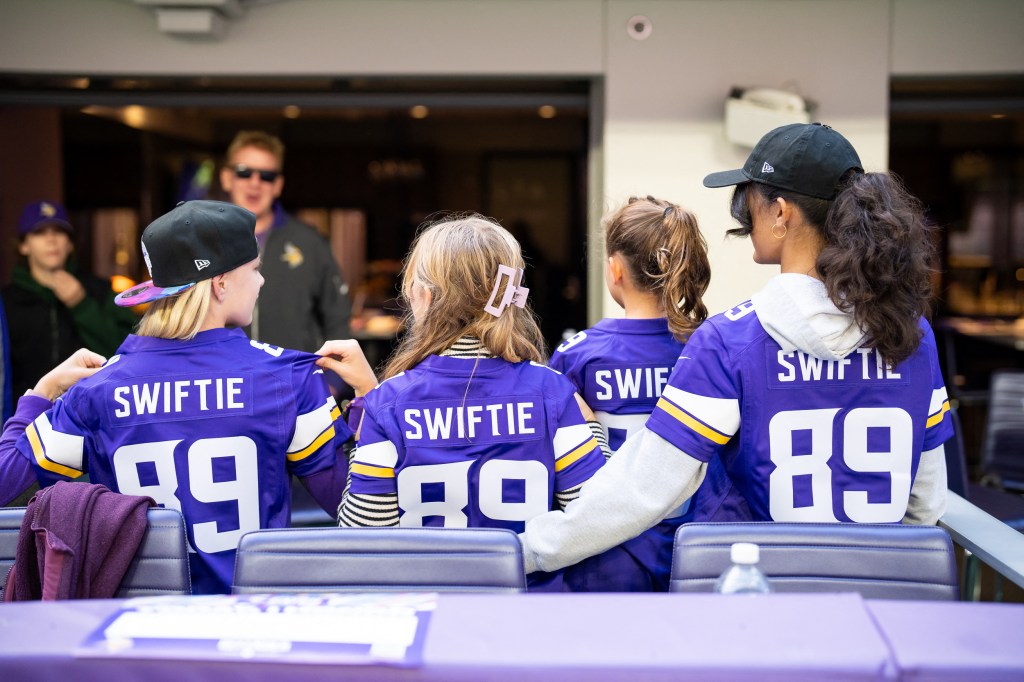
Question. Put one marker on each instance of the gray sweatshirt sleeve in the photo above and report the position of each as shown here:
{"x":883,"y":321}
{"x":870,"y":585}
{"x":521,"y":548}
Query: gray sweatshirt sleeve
{"x":646,"y":479}
{"x":928,"y":494}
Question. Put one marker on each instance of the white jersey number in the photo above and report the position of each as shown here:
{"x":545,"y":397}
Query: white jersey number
{"x":895,"y":461}
{"x":244,"y":490}
{"x":453,"y":479}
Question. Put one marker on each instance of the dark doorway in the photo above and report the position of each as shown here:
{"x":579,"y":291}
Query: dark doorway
{"x":375,"y":156}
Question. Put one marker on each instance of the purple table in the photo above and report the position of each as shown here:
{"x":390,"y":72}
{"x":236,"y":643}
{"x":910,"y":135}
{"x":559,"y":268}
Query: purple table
{"x":931,"y":641}
{"x":595,"y":637}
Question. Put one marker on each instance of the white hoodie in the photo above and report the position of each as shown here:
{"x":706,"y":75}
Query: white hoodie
{"x":648,"y":477}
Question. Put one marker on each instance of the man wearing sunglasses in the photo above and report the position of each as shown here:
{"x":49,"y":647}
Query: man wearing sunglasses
{"x":304,"y":300}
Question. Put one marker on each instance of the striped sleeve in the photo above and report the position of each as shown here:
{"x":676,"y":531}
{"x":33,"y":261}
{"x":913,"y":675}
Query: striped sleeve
{"x":313,"y":430}
{"x":576,"y":450}
{"x":60,"y":455}
{"x":599,"y":435}
{"x":372,"y":471}
{"x":713,"y":419}
{"x":938,"y":427}
{"x":368,"y":510}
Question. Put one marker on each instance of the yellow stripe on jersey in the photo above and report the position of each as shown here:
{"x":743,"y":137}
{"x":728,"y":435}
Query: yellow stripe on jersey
{"x":40,"y":455}
{"x":721,"y":415}
{"x":312,"y":430}
{"x":581,"y":451}
{"x":312,"y":447}
{"x":695,"y":425}
{"x":937,"y":418}
{"x":376,"y":472}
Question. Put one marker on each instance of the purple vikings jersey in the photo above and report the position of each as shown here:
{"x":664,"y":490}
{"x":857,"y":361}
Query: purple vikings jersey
{"x":820,"y":440}
{"x":212,"y":427}
{"x":473,"y":443}
{"x":620,"y":367}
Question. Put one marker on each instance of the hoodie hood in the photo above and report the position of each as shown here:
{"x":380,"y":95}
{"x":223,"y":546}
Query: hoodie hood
{"x":796,"y":311}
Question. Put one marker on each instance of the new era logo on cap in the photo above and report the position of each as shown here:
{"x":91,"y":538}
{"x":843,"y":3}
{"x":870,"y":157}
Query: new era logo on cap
{"x":200,"y":264}
{"x":812,"y":160}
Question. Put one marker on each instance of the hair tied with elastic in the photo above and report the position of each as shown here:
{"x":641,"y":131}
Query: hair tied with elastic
{"x":514,"y":293}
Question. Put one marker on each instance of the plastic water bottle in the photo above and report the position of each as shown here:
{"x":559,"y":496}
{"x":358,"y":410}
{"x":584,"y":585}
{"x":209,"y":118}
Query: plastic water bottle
{"x":743,"y":577}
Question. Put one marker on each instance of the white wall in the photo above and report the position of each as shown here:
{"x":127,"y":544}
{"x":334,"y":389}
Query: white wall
{"x":664,"y":97}
{"x":957,"y":37}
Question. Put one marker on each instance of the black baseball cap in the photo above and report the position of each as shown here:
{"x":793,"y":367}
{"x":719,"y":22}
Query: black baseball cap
{"x":806,"y":158}
{"x":196,"y":240}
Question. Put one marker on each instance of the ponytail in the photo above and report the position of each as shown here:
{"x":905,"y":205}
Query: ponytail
{"x":667,"y":255}
{"x":877,"y":261}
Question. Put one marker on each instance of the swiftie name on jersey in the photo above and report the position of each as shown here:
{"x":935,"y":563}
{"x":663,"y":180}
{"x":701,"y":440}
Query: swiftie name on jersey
{"x":183,"y":396}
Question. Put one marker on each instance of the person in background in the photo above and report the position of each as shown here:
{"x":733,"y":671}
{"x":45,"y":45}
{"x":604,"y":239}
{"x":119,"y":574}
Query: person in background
{"x":53,"y":309}
{"x":189,"y":412}
{"x":468,"y":429}
{"x":657,"y":269}
{"x":820,"y":399}
{"x":6,"y":397}
{"x":304,"y":301}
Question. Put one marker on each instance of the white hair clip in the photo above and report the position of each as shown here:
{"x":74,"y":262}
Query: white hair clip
{"x":514,"y":294}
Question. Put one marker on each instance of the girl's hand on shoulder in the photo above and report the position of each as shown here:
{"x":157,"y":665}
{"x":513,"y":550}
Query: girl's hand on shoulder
{"x":345,"y":358}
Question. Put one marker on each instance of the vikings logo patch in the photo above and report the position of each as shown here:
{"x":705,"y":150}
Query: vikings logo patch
{"x":292,"y":255}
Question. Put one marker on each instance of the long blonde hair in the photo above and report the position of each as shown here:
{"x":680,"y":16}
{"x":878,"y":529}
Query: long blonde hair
{"x":178,"y":317}
{"x":457,"y":260}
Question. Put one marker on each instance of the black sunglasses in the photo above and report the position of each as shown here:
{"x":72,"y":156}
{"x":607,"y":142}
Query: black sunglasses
{"x":244,"y":172}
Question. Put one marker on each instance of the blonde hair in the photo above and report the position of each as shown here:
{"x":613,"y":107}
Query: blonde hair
{"x":259,"y":139}
{"x":665,"y":254}
{"x":178,"y":317}
{"x":457,"y":259}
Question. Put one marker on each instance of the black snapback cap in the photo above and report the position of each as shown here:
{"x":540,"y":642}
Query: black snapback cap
{"x":806,"y":158}
{"x":195,"y":240}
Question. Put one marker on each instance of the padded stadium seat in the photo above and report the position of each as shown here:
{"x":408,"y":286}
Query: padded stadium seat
{"x":1002,"y":456}
{"x":160,"y":565}
{"x":880,"y":561}
{"x":10,"y":527}
{"x":379,"y":560}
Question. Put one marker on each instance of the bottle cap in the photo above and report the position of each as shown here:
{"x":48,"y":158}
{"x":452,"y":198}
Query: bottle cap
{"x":745,"y":553}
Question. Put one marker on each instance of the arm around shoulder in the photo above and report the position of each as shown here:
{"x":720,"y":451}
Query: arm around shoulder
{"x":646,"y":479}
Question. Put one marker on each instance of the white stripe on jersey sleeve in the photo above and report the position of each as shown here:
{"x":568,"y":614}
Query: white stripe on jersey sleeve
{"x":939,"y":398}
{"x":63,"y":448}
{"x":938,"y":407}
{"x":382,"y":454}
{"x":721,"y":414}
{"x":568,"y":438}
{"x":309,"y":426}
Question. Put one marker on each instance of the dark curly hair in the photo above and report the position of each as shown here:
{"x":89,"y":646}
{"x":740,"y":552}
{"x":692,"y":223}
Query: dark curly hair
{"x":878,"y":254}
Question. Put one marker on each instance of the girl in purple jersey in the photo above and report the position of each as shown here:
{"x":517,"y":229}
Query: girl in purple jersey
{"x":860,"y":438}
{"x":189,"y":412}
{"x":657,"y":270}
{"x":467,"y":429}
